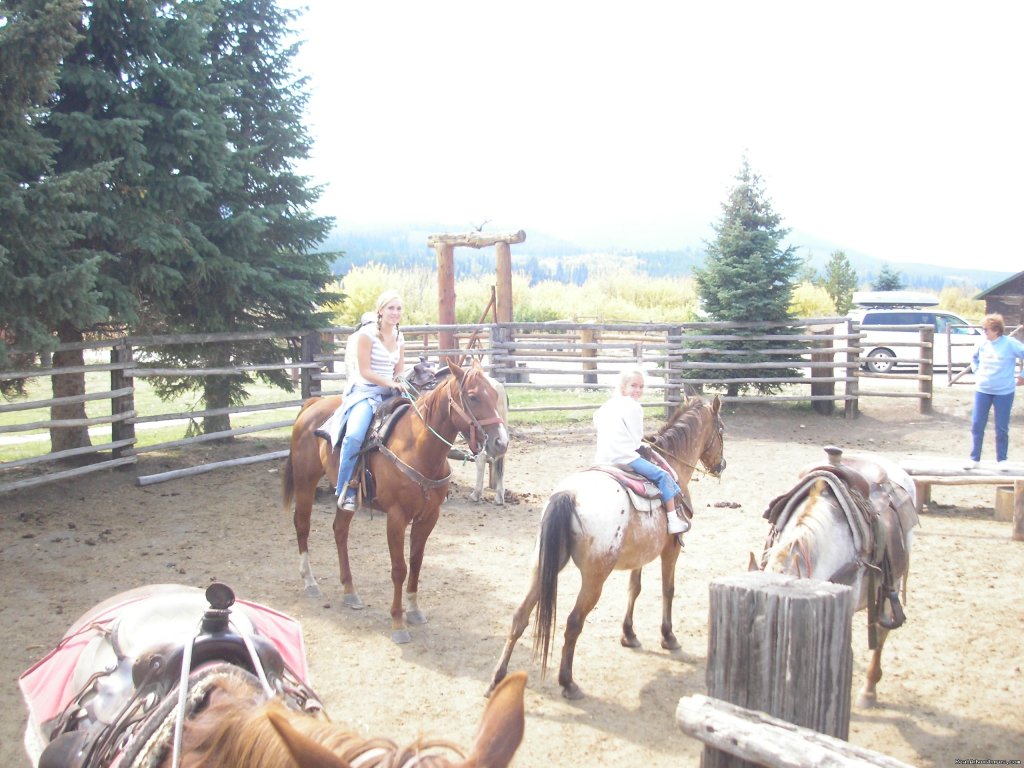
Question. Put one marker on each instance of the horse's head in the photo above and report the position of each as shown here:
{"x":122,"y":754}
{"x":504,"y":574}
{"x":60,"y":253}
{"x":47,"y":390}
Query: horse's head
{"x":815,"y":540}
{"x":712,"y":455}
{"x":474,"y":399}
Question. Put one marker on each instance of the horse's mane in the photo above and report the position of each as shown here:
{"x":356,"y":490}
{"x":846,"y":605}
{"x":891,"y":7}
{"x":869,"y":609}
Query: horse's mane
{"x":235,"y":728}
{"x":680,"y":427}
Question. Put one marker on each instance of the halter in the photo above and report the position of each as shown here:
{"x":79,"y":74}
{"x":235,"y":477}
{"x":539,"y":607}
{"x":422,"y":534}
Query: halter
{"x":699,"y":466}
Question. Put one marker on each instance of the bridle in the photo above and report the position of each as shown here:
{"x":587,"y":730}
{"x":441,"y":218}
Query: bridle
{"x":473,"y":424}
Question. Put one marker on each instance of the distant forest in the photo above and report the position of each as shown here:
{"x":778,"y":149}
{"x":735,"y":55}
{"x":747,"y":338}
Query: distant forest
{"x":542,"y":258}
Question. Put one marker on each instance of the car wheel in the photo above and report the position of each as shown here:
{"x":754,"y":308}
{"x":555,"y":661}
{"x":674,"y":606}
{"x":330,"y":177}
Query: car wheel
{"x":880,"y":360}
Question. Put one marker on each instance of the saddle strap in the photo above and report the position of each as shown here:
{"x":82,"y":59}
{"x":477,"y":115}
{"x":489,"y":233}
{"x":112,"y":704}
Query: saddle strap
{"x":425,"y":483}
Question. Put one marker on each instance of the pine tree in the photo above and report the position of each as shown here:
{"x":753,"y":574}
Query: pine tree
{"x":748,"y":274}
{"x":256,"y":270}
{"x":840,"y":281}
{"x":888,"y":280}
{"x":48,"y":279}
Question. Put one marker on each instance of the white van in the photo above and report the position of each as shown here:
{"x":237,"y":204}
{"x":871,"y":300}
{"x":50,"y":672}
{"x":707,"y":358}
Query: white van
{"x":893,"y":308}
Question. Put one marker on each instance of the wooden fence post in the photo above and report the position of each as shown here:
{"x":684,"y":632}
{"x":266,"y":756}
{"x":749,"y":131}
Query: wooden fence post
{"x":823,"y":354}
{"x":588,"y":336}
{"x":121,"y":353}
{"x":1018,"y":510}
{"x":780,"y":645}
{"x":852,"y":366}
{"x":673,"y":380}
{"x":925,"y":386}
{"x":311,"y":347}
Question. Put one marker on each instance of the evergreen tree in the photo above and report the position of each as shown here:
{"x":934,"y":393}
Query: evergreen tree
{"x":840,"y":281}
{"x":46,"y":282}
{"x":257,"y":270}
{"x":748,"y":275}
{"x":888,"y":280}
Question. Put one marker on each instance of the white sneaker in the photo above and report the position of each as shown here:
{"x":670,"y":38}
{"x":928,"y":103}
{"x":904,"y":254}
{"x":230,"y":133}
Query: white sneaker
{"x":676,"y":524}
{"x":1002,"y":466}
{"x":348,"y":505}
{"x":971,"y":464}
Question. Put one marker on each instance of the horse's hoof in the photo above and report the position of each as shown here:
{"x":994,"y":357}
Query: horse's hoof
{"x":670,"y":644}
{"x":866,"y":700}
{"x":416,"y":617}
{"x":401,"y":636}
{"x":353,"y":602}
{"x":572,"y":692}
{"x":629,"y":642}
{"x":312,"y":590}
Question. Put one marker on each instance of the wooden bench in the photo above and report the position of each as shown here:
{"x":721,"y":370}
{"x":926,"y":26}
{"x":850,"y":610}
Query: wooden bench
{"x":927,"y":472}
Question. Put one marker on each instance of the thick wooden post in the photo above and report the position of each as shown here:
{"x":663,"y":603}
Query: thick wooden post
{"x":503,"y":284}
{"x":853,"y":370}
{"x":823,"y":354}
{"x":926,"y":384}
{"x":311,"y":347}
{"x":1018,"y":510}
{"x":122,"y":430}
{"x":445,"y":293}
{"x":588,"y":336}
{"x":780,"y":645}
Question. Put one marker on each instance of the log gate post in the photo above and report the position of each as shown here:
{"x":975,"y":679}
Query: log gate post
{"x":121,"y":353}
{"x":445,"y":245}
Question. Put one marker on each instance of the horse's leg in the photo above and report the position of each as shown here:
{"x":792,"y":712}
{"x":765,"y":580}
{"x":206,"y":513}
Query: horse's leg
{"x":520,"y":621}
{"x":867,"y":697}
{"x":628,"y":635}
{"x":481,"y":467}
{"x":590,"y":593}
{"x":418,"y":536}
{"x":669,"y":556}
{"x":498,"y":467}
{"x":304,"y":484}
{"x":342,"y":523}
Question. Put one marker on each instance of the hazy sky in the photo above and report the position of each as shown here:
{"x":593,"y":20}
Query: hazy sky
{"x":887,"y":128}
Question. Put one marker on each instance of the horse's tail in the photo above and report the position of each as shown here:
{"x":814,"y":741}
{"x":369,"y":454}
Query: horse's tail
{"x":287,"y":484}
{"x":553,"y":543}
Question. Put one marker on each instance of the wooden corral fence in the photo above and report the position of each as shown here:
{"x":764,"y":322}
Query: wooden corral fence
{"x":563,"y":356}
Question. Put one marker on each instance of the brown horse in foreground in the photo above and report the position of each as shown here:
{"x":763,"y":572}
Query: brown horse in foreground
{"x":411,"y":475}
{"x":159,"y":677}
{"x":591,"y":519}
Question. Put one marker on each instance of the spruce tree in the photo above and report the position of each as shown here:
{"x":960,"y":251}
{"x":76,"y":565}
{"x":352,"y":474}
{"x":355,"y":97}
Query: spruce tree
{"x":256,"y":270}
{"x":840,"y":281}
{"x":48,"y":277}
{"x":748,"y":276}
{"x":888,"y":280}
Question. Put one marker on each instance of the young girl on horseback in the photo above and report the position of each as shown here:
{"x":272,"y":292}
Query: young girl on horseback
{"x":620,"y":432}
{"x":380,"y":351}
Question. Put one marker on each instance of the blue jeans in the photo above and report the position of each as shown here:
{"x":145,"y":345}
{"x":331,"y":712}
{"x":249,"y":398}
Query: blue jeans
{"x":669,"y":488}
{"x":358,"y":421}
{"x":982,"y":403}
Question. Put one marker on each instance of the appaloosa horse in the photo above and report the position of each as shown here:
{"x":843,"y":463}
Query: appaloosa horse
{"x":849,"y":521}
{"x":410,"y":472}
{"x":159,"y":677}
{"x":592,"y":518}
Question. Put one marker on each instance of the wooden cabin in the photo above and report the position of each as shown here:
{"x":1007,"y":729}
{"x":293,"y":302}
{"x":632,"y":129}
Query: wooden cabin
{"x":1006,"y":298}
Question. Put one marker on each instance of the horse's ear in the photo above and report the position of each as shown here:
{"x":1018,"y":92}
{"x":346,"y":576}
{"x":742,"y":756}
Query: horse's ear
{"x":455,"y":368}
{"x":304,"y":751}
{"x":501,"y":728}
{"x":716,"y":404}
{"x":752,"y":564}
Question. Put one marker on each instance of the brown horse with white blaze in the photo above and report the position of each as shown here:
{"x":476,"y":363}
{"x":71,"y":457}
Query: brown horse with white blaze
{"x":591,"y":519}
{"x":411,"y":476}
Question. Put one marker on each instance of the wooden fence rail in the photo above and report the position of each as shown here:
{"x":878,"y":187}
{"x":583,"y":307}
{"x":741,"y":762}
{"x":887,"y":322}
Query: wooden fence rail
{"x":562,"y":356}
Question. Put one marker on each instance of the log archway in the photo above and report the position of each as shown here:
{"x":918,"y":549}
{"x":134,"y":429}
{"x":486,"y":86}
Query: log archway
{"x":445,"y":246}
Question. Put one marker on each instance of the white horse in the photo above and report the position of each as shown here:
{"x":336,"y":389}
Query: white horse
{"x":851,"y":522}
{"x":497,"y":464}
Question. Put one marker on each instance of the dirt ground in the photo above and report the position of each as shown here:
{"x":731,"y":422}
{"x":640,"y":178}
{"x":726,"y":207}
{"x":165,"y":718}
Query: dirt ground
{"x":953,"y":683}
